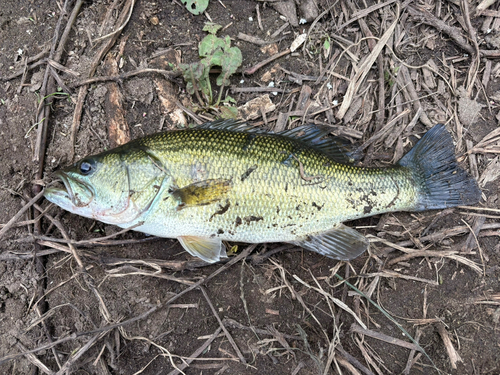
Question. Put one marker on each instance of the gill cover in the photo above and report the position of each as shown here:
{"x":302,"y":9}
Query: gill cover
{"x":108,"y":188}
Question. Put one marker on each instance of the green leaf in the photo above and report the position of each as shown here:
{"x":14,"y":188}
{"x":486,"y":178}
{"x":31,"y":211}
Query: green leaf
{"x":192,"y":73}
{"x":326,"y":44}
{"x":212,"y":27}
{"x":209,"y":45}
{"x":226,"y":44}
{"x":229,"y":112}
{"x":195,"y":6}
{"x":229,"y":99}
{"x":214,"y":52}
{"x":216,"y":58}
{"x":230,"y":62}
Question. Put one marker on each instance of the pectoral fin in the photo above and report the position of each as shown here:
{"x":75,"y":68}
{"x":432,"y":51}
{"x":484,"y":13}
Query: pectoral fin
{"x":341,"y":242}
{"x":208,"y":249}
{"x":201,"y":193}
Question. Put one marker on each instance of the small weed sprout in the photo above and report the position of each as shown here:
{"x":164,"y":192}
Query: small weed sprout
{"x":213,"y":51}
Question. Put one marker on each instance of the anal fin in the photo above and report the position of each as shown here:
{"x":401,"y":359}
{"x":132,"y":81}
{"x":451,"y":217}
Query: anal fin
{"x":208,"y":249}
{"x":341,"y":242}
{"x":201,"y":193}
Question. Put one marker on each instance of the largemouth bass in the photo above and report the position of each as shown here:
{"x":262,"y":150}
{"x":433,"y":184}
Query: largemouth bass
{"x":228,"y":181}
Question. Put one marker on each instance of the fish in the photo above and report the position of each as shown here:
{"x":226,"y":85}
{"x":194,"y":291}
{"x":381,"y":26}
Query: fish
{"x":228,"y":181}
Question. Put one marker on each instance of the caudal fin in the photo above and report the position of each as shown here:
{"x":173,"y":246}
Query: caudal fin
{"x":442,"y":182}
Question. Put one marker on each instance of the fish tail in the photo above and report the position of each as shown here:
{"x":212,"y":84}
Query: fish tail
{"x":442,"y":182}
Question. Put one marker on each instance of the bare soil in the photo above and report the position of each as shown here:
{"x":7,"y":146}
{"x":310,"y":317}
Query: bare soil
{"x":282,"y":310}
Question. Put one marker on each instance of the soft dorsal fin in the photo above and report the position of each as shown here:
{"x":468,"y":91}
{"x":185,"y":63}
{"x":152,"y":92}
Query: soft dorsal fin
{"x":314,"y":136}
{"x":208,"y":249}
{"x":341,"y":242}
{"x":201,"y":193}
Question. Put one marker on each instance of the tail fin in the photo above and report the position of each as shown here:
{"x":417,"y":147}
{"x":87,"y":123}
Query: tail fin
{"x":443,"y":183}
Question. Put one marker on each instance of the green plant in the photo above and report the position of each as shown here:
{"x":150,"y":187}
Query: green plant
{"x":213,"y":51}
{"x":326,"y":46}
{"x":195,"y":6}
{"x":390,"y":76}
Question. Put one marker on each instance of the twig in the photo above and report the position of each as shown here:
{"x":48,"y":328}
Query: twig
{"x":280,"y":30}
{"x":44,"y":106}
{"x":259,"y":20}
{"x":473,"y":70}
{"x":342,"y":361}
{"x":394,"y":274}
{"x":34,"y":360}
{"x":382,"y":337}
{"x":445,"y":233}
{"x":426,"y":17}
{"x":75,"y":356}
{"x":8,"y":255}
{"x":234,"y":324}
{"x":252,"y":39}
{"x":79,"y":334}
{"x":473,"y":232}
{"x":16,"y":217}
{"x":236,"y":259}
{"x":189,"y":112}
{"x":130,"y":5}
{"x":364,"y":27}
{"x":298,"y":296}
{"x":77,"y":114}
{"x":363,"y":13}
{"x":452,"y":353}
{"x":196,"y":353}
{"x":29,"y":61}
{"x":353,"y":360}
{"x":235,"y":89}
{"x":118,"y":78}
{"x":412,"y":358}
{"x":62,"y":68}
{"x":59,"y":81}
{"x":89,"y":281}
{"x":252,"y":70}
{"x":25,"y":70}
{"x":130,"y":270}
{"x":328,"y":296}
{"x":364,"y":69}
{"x":226,"y":332}
{"x":260,"y":258}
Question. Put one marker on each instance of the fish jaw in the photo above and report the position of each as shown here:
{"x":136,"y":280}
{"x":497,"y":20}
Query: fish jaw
{"x":83,"y":198}
{"x":68,"y":200}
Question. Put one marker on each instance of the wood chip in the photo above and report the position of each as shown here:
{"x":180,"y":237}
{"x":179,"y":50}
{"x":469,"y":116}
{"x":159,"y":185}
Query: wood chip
{"x":253,"y":108}
{"x":452,"y":353}
{"x":118,"y":129}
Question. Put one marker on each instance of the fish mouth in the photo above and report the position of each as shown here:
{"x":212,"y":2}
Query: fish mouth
{"x":74,"y":192}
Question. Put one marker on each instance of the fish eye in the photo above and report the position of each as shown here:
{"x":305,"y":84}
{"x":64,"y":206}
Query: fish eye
{"x":86,"y":167}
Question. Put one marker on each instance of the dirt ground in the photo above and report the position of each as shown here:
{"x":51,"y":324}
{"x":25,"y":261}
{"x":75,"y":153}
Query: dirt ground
{"x":135,"y":304}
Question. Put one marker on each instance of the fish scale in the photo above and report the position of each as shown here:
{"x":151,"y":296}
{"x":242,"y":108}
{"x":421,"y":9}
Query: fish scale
{"x":288,"y":204}
{"x":228,"y":181}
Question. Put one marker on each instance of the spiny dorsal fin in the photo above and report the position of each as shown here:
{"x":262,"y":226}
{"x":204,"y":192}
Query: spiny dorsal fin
{"x":314,"y":136}
{"x":231,"y":125}
{"x":341,"y":242}
{"x":201,"y":193}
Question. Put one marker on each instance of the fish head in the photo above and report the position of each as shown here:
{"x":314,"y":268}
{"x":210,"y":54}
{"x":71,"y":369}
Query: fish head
{"x":96,"y":187}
